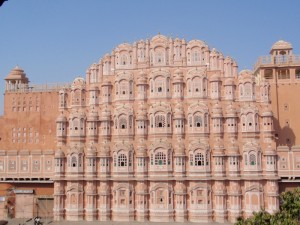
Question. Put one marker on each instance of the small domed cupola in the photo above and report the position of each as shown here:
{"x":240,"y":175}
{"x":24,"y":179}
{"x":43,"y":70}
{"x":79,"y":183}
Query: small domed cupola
{"x":281,"y":47}
{"x":16,"y":80}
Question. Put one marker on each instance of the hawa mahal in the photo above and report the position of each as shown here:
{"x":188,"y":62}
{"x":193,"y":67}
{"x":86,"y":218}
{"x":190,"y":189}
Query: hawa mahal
{"x":159,"y":130}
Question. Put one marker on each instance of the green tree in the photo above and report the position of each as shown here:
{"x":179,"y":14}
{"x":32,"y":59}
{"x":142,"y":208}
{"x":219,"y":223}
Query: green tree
{"x":288,"y":214}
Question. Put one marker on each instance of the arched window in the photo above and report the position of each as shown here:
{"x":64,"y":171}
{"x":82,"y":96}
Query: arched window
{"x":199,"y":159}
{"x":159,"y":57}
{"x":197,"y":83}
{"x":160,"y":197}
{"x":123,"y":59}
{"x":252,"y":159}
{"x":123,"y":86}
{"x":159,"y":84}
{"x":122,"y":160}
{"x":62,"y":99}
{"x":122,"y":123}
{"x":80,"y":160}
{"x":93,"y":76}
{"x":196,"y":56}
{"x":247,"y":90}
{"x":160,"y":121}
{"x":82,"y":124}
{"x":106,"y":68}
{"x":197,"y":121}
{"x":76,"y":124}
{"x":73,"y":161}
{"x":250,"y":120}
{"x":160,"y":159}
{"x":76,"y":97}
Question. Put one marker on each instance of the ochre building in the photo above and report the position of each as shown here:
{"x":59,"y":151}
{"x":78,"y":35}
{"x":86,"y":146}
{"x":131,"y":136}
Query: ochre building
{"x":160,"y":130}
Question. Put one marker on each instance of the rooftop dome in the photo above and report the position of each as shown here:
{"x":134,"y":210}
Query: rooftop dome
{"x":61,"y":118}
{"x":218,"y":148}
{"x":141,"y":148}
{"x":231,"y":112}
{"x":246,"y":73}
{"x":267,"y":112}
{"x":59,"y":153}
{"x":17,"y":73}
{"x":270,"y":151}
{"x":142,"y":78}
{"x":229,"y":81}
{"x":178,"y":76}
{"x":233,"y":149}
{"x":217,"y":111}
{"x":79,"y":80}
{"x":178,"y":111}
{"x":104,"y":150}
{"x":142,"y":112}
{"x":105,"y":114}
{"x":280,"y":45}
{"x":91,"y":151}
{"x":179,"y":148}
{"x":93,"y":115}
{"x":214,"y":77}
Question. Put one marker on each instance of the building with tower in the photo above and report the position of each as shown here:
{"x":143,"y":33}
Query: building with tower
{"x":159,"y":130}
{"x":281,"y":69}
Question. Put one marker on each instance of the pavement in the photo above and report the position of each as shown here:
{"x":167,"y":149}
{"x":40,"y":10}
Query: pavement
{"x":50,"y":222}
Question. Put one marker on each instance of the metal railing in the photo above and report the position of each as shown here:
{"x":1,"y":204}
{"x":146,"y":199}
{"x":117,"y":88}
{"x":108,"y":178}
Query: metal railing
{"x":55,"y":87}
{"x":277,"y":60}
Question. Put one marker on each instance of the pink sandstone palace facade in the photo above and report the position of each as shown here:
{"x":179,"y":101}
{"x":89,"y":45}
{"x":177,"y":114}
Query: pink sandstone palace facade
{"x":160,"y":130}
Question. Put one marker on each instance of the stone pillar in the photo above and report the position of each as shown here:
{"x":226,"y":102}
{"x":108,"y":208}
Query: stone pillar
{"x":90,"y":201}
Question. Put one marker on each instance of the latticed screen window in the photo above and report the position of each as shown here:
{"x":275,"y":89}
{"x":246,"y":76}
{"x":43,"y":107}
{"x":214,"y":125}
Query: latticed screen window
{"x":160,"y":121}
{"x":115,"y":160}
{"x":159,"y":57}
{"x":160,"y":159}
{"x":250,"y":120}
{"x":159,"y":85}
{"x":123,"y":59}
{"x":130,"y":87}
{"x":247,"y":90}
{"x":160,"y":196}
{"x":191,"y":160}
{"x":122,"y":160}
{"x":207,"y":158}
{"x":199,"y":159}
{"x":252,"y":159}
{"x":246,"y":159}
{"x":197,"y":121}
{"x":77,"y":97}
{"x":129,"y":159}
{"x":195,"y":56}
{"x":123,"y":88}
{"x":151,"y":159}
{"x":169,"y":157}
{"x":190,"y":121}
{"x":122,"y":123}
{"x":75,"y":124}
{"x":73,"y":161}
{"x":197,"y":85}
{"x":79,"y":160}
{"x":62,"y":100}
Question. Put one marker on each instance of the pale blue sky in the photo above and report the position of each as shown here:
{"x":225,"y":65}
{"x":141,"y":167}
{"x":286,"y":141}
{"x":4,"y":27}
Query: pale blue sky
{"x":57,"y":40}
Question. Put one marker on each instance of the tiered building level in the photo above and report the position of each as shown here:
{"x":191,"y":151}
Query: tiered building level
{"x":160,"y":130}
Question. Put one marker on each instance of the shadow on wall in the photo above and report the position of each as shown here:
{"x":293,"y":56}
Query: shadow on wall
{"x":284,"y":135}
